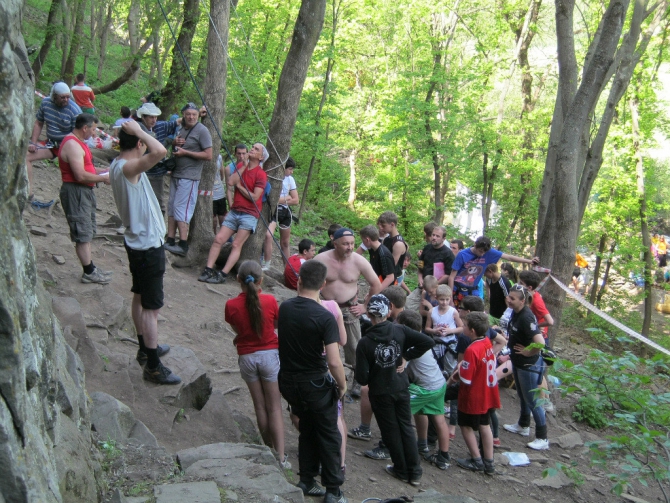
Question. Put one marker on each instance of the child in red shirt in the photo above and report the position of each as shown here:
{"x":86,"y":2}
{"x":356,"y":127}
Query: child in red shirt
{"x":477,"y":394}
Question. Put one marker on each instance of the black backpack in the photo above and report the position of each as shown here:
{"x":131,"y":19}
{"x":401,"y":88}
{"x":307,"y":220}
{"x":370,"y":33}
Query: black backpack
{"x":448,"y":361}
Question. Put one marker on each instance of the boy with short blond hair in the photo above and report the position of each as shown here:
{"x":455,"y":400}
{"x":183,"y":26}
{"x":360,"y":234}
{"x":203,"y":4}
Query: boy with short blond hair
{"x":478,"y":393}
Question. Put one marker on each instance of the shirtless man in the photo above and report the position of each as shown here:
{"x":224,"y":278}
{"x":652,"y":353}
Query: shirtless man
{"x":344,"y":269}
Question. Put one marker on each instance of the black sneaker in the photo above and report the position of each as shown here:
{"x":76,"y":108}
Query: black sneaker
{"x":471,"y":464}
{"x":313,"y":489}
{"x":378,"y":453}
{"x":391,"y":471}
{"x":160,"y":375}
{"x":206,"y":274}
{"x":438,"y":460}
{"x":332,"y":498}
{"x":359,"y":434}
{"x":176,"y":250}
{"x":142,"y":356}
{"x":489,"y":469}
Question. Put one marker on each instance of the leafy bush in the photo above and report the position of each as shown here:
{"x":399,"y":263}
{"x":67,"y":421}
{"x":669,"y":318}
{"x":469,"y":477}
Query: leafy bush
{"x":630,"y":396}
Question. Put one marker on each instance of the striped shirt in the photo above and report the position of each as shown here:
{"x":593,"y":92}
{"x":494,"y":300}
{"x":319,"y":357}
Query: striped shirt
{"x":160,"y":131}
{"x":59,"y":121}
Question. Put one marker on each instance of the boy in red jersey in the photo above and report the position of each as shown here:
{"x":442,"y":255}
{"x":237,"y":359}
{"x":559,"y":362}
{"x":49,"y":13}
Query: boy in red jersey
{"x":478,"y":393}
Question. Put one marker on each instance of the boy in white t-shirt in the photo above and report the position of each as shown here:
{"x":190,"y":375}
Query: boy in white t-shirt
{"x":283,"y":217}
{"x":443,"y":320}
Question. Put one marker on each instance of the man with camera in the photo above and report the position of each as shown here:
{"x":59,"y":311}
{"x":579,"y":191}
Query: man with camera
{"x":148,"y":115}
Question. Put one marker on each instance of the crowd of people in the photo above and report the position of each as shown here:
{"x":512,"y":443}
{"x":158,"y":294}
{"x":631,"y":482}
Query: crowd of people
{"x":432,"y":355}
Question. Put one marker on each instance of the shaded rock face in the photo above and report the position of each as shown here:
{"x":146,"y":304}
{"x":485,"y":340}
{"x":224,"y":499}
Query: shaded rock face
{"x":45,"y":439}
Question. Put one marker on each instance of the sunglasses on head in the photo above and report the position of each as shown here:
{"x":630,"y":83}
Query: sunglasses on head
{"x":520,"y":288}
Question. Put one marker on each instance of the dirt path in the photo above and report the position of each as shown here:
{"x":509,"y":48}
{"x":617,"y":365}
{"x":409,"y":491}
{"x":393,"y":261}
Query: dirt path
{"x":193,"y":317}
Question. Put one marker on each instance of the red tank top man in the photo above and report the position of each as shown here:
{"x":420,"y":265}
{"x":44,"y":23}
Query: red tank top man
{"x":76,"y":194}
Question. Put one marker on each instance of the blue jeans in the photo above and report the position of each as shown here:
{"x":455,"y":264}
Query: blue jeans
{"x":527,"y":381}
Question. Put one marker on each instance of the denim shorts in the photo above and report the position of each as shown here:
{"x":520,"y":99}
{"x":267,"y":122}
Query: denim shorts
{"x":237,"y":220}
{"x":259,"y":365}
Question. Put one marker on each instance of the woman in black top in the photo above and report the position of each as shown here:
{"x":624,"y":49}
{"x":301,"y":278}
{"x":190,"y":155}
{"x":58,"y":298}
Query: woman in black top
{"x":527,"y":367}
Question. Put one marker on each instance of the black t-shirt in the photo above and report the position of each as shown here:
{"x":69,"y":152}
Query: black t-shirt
{"x":431,"y":255}
{"x":381,"y":261}
{"x":329,"y":246}
{"x":522,"y":327}
{"x":304,"y":328}
{"x":389,"y":242}
{"x":499,"y":290}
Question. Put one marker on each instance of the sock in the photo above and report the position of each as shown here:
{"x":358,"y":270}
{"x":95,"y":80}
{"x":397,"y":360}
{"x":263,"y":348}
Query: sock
{"x":169,"y":241}
{"x":88,"y":269}
{"x":445,"y":454}
{"x":422,"y":444}
{"x":478,"y":461}
{"x":183,"y":245}
{"x":152,"y":358}
{"x":140,"y":339}
{"x":365,"y":428}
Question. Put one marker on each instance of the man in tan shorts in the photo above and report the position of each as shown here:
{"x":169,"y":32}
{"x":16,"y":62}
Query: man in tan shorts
{"x":344,"y":269}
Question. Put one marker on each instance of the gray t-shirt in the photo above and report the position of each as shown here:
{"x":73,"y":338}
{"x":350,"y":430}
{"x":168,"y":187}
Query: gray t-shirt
{"x":197,"y":141}
{"x":425,"y":373}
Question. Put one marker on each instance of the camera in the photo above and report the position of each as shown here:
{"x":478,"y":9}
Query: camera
{"x":505,"y":351}
{"x":175,"y":149}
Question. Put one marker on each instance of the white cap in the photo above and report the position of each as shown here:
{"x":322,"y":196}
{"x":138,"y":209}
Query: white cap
{"x":59,"y":88}
{"x":148,"y":109}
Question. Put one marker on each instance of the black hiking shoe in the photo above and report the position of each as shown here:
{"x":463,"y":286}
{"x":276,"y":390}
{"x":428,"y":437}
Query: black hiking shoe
{"x":471,"y":464}
{"x":438,"y":460}
{"x":160,"y":375}
{"x":142,"y":356}
{"x":489,"y":469}
{"x":313,"y":489}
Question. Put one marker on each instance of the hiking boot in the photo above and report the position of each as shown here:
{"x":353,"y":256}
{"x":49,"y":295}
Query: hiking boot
{"x":142,"y":356}
{"x":333,"y":498}
{"x":471,"y":464}
{"x":219,"y":278}
{"x":539,"y":444}
{"x":207,"y":273}
{"x":391,"y":471}
{"x":489,"y":469}
{"x":95,"y":277}
{"x":175,"y":249}
{"x":524,"y":431}
{"x":355,"y":391}
{"x":378,"y":453}
{"x":160,"y":375}
{"x":439,"y":461}
{"x":359,"y":434}
{"x":313,"y":489}
{"x":424,"y":451}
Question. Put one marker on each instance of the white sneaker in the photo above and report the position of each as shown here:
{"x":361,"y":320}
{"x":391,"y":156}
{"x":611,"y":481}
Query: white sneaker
{"x":539,"y":444}
{"x":515,"y":428}
{"x":265,"y":266}
{"x":548,"y":406}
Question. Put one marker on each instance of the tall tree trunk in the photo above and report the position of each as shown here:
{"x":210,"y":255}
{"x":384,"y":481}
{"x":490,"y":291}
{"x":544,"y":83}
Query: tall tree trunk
{"x":75,"y":44}
{"x":104,"y":35}
{"x":606,"y":276}
{"x":65,"y":34}
{"x":200,"y":235}
{"x":50,"y":33}
{"x":644,"y":228}
{"x":291,"y":81}
{"x":324,"y":94}
{"x":352,"y":179}
{"x":596,"y":270}
{"x":133,"y":20}
{"x":173,"y":93}
{"x":90,"y":46}
{"x":157,"y":63}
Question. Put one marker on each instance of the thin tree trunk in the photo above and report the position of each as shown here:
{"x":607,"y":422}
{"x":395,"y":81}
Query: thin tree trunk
{"x":352,"y":179}
{"x":606,"y":276}
{"x":324,"y":94}
{"x":644,"y":228}
{"x":104,"y":35}
{"x":51,"y":31}
{"x":291,"y":82}
{"x":200,"y":235}
{"x":90,"y":45}
{"x":596,"y":271}
{"x":66,"y":34}
{"x":75,"y":44}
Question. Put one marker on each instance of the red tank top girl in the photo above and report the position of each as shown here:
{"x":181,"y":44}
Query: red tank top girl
{"x":66,"y":170}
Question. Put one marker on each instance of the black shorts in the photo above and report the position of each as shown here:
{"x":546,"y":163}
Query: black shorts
{"x":576,"y":272}
{"x":474,"y":421}
{"x":148,"y":268}
{"x":78,"y":202}
{"x":220,"y":206}
{"x":283,"y":217}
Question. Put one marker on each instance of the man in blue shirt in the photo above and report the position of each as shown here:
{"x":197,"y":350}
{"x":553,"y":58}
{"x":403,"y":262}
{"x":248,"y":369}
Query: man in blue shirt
{"x":470,"y":265}
{"x":59,"y":113}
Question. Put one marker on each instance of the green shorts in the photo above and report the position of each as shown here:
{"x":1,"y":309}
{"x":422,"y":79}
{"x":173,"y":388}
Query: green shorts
{"x":430,"y":403}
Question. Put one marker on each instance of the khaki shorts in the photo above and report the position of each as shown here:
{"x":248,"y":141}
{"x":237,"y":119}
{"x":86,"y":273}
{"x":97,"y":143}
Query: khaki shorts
{"x":78,"y":202}
{"x":259,"y":365}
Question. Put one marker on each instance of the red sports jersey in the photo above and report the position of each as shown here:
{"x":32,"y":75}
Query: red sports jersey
{"x":290,"y":277}
{"x":540,"y":311}
{"x":479,"y":385}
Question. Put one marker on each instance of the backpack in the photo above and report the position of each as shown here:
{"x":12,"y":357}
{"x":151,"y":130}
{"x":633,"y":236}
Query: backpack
{"x":266,"y":192}
{"x":446,"y":355}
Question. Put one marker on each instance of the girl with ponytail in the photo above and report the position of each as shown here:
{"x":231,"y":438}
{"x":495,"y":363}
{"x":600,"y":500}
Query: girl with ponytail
{"x":253,"y":316}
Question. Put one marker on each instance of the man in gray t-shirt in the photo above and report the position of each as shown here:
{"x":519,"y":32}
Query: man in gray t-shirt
{"x":191,"y":148}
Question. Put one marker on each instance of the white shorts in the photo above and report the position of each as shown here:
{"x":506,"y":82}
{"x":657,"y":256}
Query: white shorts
{"x":183,"y":196}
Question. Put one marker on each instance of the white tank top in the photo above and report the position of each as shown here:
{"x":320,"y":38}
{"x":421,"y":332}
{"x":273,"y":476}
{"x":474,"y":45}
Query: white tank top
{"x":443,"y":320}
